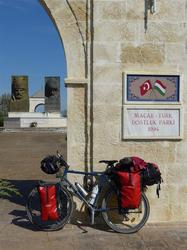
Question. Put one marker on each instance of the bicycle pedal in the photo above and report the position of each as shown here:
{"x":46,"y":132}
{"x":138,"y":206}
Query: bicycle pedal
{"x":126,"y":218}
{"x":133,"y":220}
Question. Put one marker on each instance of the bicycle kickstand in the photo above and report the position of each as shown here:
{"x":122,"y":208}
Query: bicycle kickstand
{"x":92,"y":216}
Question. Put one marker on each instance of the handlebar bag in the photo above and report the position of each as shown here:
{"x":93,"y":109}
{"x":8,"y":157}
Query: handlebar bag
{"x":48,"y":202}
{"x":129,"y":189}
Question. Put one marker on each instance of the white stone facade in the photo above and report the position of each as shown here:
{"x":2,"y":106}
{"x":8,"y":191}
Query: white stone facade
{"x":41,"y":120}
{"x":103,"y":39}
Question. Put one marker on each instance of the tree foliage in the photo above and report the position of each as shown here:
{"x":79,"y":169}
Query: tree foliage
{"x":4,"y":103}
{"x":4,"y":107}
{"x":7,"y":189}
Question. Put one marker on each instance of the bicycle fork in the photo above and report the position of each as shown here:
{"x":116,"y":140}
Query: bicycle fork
{"x":92,"y":217}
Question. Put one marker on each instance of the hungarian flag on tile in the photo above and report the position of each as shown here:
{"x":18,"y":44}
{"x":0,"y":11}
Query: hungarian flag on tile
{"x":145,"y":87}
{"x":160,"y":87}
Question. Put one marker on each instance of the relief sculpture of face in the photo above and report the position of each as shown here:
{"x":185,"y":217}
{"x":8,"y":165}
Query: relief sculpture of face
{"x":52,"y":88}
{"x":52,"y":94}
{"x":20,"y":98}
{"x":19,"y":92}
{"x":19,"y":88}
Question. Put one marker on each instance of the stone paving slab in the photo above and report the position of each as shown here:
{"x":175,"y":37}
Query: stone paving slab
{"x":17,"y":233}
{"x":72,"y":237}
{"x":21,"y":167}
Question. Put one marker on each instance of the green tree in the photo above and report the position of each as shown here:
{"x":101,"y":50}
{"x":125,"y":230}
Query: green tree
{"x":4,"y":103}
{"x":1,"y":119}
{"x":4,"y":107}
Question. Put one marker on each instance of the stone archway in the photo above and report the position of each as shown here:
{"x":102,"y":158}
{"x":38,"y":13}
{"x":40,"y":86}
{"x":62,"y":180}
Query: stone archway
{"x":39,"y":107}
{"x":95,"y":112}
{"x":35,"y":102}
{"x":70,"y":19}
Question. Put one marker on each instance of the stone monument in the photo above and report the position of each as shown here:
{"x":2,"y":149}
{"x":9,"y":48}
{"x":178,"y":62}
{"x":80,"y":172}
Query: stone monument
{"x":52,"y":94}
{"x":22,"y":108}
{"x":20,"y":99}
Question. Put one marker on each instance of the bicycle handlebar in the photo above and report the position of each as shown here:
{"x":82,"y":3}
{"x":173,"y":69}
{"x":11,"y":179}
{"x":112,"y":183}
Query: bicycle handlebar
{"x":62,"y":161}
{"x":109,"y":167}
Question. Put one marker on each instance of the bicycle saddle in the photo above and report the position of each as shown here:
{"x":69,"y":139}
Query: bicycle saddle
{"x":110,"y":163}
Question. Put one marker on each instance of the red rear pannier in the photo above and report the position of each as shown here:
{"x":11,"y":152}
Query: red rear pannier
{"x":48,"y":201}
{"x":130,"y":189}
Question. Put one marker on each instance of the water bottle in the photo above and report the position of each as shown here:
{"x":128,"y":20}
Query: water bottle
{"x":81,"y":189}
{"x":94,"y":194}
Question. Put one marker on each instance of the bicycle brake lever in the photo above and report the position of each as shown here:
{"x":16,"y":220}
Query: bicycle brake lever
{"x":58,"y":154}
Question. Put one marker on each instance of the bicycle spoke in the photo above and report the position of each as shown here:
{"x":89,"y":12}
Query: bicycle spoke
{"x":64,"y":210}
{"x":127,"y":221}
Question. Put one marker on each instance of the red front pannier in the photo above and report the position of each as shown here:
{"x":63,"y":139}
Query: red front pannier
{"x":130,"y":189}
{"x":48,"y":202}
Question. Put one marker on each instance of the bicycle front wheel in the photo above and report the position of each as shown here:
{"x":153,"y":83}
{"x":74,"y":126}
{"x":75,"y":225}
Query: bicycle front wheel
{"x":64,"y":207}
{"x":130,"y":220}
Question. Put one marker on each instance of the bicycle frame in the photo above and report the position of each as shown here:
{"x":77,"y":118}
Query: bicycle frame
{"x":104,"y":201}
{"x":103,"y":178}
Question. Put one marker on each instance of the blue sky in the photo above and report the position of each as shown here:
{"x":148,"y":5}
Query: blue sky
{"x":29,"y":45}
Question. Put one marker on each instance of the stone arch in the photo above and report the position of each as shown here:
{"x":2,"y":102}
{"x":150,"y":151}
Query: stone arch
{"x":35,"y":102}
{"x":39,"y":105}
{"x":71,"y":21}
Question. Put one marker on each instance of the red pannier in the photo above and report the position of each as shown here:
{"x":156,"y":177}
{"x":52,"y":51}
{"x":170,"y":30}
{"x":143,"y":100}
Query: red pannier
{"x":130,"y":189}
{"x":48,"y":202}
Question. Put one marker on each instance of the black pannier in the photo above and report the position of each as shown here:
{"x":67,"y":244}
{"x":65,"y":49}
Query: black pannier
{"x":151,"y":175}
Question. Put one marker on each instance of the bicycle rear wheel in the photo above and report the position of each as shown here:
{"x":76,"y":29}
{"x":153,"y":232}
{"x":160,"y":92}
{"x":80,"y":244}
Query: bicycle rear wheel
{"x":64,"y":207}
{"x":130,"y":220}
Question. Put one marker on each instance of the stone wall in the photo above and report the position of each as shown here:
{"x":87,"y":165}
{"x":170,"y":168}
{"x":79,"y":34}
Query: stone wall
{"x":120,"y":43}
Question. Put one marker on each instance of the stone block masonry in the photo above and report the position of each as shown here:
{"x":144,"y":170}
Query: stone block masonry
{"x":103,"y":39}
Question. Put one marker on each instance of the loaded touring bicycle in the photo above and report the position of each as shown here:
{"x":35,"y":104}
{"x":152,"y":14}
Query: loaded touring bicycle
{"x":117,"y":194}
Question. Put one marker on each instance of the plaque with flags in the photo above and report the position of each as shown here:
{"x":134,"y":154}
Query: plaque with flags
{"x":160,"y":87}
{"x":151,"y":88}
{"x":145,"y":87}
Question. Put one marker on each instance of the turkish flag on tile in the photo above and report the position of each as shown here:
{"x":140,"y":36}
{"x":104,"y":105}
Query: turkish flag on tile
{"x":146,"y":86}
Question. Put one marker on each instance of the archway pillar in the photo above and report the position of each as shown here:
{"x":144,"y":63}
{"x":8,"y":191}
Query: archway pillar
{"x":77,"y":137}
{"x":72,"y":22}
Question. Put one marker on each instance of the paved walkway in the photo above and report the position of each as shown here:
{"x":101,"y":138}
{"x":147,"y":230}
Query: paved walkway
{"x":16,"y":233}
{"x":20,"y":155}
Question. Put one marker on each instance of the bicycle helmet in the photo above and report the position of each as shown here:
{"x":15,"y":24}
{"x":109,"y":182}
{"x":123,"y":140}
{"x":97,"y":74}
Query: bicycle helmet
{"x":50,"y":164}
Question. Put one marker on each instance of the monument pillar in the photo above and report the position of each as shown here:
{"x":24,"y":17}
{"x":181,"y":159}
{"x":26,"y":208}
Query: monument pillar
{"x":20,"y":99}
{"x":52,"y":94}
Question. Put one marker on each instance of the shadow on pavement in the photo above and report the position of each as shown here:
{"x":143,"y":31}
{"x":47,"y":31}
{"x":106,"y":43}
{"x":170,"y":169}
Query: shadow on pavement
{"x":21,"y":220}
{"x":80,"y":218}
{"x":23,"y":187}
